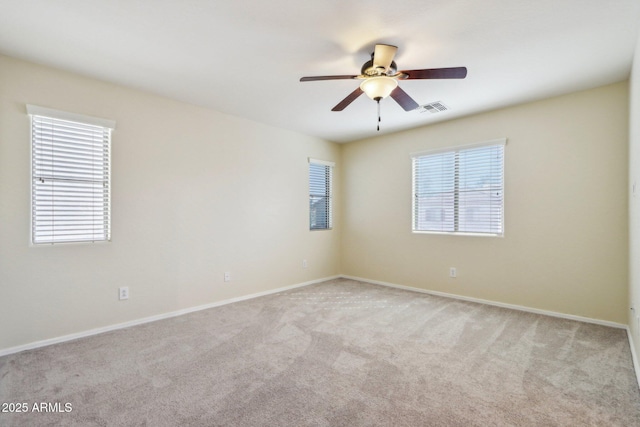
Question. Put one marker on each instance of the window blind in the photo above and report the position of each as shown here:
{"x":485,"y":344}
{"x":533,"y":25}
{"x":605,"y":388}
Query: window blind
{"x":460,"y":191}
{"x":70,"y":180}
{"x":320,"y":176}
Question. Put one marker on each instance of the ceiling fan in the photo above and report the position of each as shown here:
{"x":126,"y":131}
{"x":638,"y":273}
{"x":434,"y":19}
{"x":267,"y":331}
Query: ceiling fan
{"x":380,"y":77}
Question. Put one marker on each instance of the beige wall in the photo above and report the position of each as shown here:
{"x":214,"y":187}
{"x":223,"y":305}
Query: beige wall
{"x":565,"y":242}
{"x":195,"y":193}
{"x":634,"y":202}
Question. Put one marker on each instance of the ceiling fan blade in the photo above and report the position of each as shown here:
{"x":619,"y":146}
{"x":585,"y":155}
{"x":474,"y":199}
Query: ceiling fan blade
{"x":437,"y":73}
{"x":403,"y":98}
{"x":348,"y":100}
{"x":383,"y":55}
{"x":316,"y":78}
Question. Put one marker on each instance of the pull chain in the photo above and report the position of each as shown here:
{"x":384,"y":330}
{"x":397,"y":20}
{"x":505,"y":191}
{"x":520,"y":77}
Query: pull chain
{"x":379,"y":120}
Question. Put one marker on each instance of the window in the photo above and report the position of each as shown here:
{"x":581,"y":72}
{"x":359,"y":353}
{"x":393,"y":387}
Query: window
{"x":460,"y":190}
{"x":320,"y":176}
{"x":70,"y":177}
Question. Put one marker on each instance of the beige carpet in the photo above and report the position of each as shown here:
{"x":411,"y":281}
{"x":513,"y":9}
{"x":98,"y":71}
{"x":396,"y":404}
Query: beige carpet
{"x":340,"y":353}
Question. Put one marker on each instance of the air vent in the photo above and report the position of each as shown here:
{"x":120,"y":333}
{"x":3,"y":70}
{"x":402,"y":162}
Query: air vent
{"x":434,"y":107}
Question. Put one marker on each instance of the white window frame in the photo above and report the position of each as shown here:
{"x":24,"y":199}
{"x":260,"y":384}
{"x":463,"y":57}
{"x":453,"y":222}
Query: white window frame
{"x":496,"y":142}
{"x":329,"y":166}
{"x":74,"y":183}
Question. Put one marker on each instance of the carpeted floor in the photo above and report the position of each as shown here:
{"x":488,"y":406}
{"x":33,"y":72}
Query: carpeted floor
{"x":340,"y":353}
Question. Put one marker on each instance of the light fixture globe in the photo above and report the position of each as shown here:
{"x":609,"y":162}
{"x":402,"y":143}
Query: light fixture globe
{"x":378,"y":87}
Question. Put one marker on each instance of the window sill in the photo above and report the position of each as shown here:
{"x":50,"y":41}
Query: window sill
{"x":457,"y":233}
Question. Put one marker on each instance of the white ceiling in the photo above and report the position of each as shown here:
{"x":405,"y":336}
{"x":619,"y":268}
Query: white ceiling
{"x":246,"y":57}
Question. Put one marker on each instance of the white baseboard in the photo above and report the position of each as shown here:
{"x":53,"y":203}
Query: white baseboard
{"x":70,"y":337}
{"x":634,"y":355}
{"x":494,"y":303}
{"x":90,"y":332}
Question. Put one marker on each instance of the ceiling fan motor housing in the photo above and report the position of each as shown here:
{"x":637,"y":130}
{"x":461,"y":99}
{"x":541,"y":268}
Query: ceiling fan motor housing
{"x":369,"y":70}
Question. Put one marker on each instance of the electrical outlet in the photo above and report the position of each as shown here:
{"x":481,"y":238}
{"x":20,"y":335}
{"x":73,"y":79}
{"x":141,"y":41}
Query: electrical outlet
{"x":227,"y":276}
{"x":453,"y":272}
{"x":304,"y":263}
{"x":123,"y":293}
